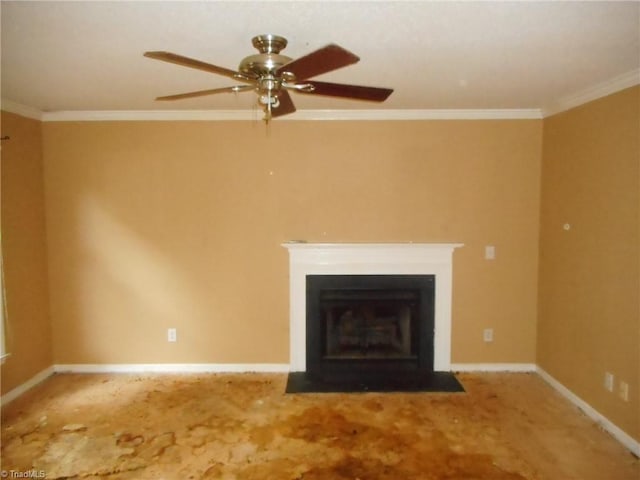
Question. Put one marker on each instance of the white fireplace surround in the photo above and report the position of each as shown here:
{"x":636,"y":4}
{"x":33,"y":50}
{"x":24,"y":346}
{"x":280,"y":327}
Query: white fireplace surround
{"x":370,"y":259}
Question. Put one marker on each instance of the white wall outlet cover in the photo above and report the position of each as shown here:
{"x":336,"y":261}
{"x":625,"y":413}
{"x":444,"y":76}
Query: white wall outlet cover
{"x":624,"y":391}
{"x":490,"y":252}
{"x":608,"y":381}
{"x":487,"y":335}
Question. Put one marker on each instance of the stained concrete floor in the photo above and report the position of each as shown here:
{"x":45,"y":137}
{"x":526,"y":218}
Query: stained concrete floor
{"x":243,"y":427}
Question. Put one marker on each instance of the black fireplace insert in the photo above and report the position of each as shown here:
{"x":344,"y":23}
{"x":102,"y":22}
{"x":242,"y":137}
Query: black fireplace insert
{"x":369,"y":324}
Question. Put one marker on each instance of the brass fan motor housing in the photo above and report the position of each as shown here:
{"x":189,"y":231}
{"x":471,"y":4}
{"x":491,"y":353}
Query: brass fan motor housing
{"x":269,"y":58}
{"x":262,"y":63}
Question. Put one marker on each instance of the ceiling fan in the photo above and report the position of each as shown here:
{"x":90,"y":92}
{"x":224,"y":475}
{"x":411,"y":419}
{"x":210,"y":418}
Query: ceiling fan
{"x":272,"y":75}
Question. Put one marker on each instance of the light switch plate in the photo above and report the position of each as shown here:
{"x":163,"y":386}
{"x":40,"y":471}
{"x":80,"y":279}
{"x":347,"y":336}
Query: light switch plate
{"x":172,"y":335}
{"x":490,"y":252}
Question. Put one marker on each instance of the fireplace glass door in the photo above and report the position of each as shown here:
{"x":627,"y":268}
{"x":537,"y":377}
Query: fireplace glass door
{"x":369,"y":323}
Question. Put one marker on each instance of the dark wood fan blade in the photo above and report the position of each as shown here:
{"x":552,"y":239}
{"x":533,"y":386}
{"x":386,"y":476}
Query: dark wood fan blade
{"x":373,"y":94}
{"x":192,"y":63}
{"x":325,"y":60}
{"x":200,"y":93}
{"x":285,"y":106}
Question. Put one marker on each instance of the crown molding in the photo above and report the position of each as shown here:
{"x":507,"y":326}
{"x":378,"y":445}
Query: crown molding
{"x":568,"y":102}
{"x":426,"y":114}
{"x":300,"y":115}
{"x":20,"y":109}
{"x":594,"y":92}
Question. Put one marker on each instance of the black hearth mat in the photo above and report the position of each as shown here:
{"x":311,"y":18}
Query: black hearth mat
{"x":301,"y":382}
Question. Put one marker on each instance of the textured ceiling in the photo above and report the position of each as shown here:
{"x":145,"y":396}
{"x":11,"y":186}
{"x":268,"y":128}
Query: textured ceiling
{"x":87,"y":56}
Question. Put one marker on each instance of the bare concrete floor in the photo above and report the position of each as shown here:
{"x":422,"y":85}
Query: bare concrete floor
{"x":243,"y":427}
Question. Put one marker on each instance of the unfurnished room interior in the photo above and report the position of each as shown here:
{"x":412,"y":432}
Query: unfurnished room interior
{"x":304,"y":240}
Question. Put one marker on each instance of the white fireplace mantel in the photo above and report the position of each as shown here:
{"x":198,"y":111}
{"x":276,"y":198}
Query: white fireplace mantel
{"x":370,"y":259}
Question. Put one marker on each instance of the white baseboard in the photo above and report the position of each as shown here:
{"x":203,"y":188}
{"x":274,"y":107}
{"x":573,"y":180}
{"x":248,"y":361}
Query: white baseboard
{"x":29,"y":384}
{"x":629,"y":442}
{"x":592,"y":413}
{"x":173,"y":368}
{"x":143,"y":368}
{"x":493,"y":367}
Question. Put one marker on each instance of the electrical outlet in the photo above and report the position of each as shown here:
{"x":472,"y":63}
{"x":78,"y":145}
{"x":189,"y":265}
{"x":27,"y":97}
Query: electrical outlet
{"x":608,"y":381}
{"x":623,"y":391}
{"x":487,"y":335}
{"x":172,"y":335}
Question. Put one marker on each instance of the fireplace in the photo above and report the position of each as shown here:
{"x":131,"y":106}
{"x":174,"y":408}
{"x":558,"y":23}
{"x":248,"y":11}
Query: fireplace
{"x":364,"y":328}
{"x":369,"y":324}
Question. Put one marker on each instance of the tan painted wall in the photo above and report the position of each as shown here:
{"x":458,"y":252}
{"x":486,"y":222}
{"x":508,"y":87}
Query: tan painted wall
{"x":589,"y":306}
{"x":23,"y":244}
{"x":179,"y":224}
